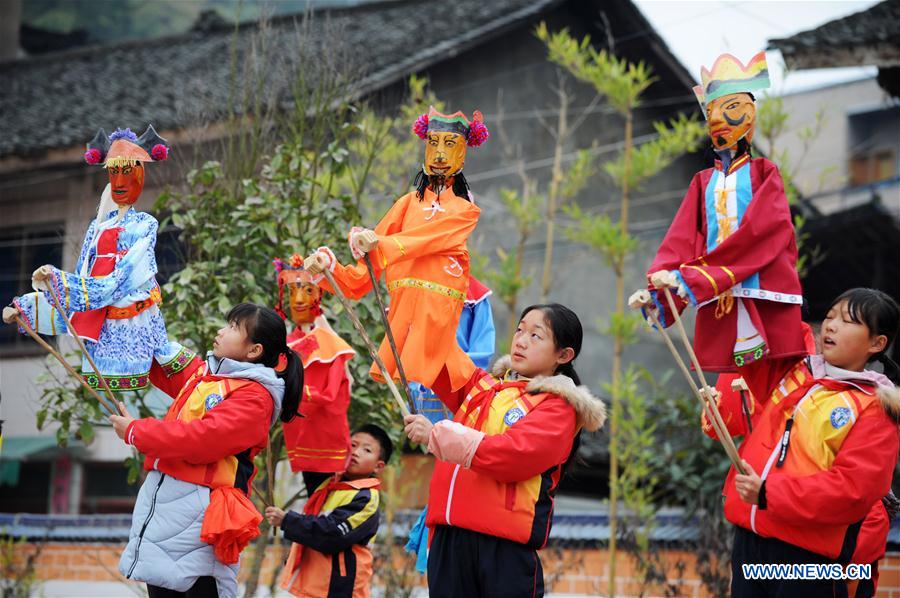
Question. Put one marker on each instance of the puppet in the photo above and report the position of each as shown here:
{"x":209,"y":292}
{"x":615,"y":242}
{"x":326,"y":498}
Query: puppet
{"x":112,"y":298}
{"x":420,"y":245}
{"x":730,"y":251}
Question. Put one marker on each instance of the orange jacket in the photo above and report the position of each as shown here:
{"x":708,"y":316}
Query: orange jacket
{"x":422,"y":251}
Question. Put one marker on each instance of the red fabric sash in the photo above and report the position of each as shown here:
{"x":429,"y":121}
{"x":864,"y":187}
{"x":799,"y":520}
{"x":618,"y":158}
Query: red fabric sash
{"x":88,"y":323}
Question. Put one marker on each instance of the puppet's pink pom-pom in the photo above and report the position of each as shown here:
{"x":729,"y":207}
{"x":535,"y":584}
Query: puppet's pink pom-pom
{"x":420,"y":127}
{"x":93,"y":156}
{"x":478,"y":134}
{"x":159,"y":152}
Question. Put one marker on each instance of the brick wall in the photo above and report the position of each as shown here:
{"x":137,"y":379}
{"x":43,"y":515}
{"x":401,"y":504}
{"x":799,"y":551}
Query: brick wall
{"x":570,"y":571}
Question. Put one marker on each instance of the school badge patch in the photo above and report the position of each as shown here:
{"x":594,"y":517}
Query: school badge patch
{"x":212,"y":400}
{"x":513,"y":415}
{"x":839,"y":417}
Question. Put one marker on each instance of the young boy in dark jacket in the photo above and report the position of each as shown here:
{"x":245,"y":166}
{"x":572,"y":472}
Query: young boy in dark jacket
{"x":330,"y":557}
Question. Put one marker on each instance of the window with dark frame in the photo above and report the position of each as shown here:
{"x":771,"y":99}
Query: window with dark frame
{"x":24,"y":248}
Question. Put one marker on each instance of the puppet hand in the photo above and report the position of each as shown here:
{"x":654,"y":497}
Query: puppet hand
{"x":40,"y":277}
{"x":10,"y":314}
{"x":354,"y":250}
{"x":664,"y":279}
{"x":640,"y":299}
{"x":363,"y":241}
{"x":317,"y":262}
{"x":710,"y":394}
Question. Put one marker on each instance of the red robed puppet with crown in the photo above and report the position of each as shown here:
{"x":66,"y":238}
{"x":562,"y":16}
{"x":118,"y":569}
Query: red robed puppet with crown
{"x":730,"y":251}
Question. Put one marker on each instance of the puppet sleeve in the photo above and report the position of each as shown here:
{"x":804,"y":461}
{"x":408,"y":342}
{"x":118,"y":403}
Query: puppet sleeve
{"x":765,"y":232}
{"x":683,"y":242}
{"x":135,"y":268}
{"x":354,"y":279}
{"x":444,"y":234}
{"x":37,"y":310}
{"x":476,"y":334}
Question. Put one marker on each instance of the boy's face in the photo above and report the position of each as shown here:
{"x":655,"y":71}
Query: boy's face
{"x":365,"y":457}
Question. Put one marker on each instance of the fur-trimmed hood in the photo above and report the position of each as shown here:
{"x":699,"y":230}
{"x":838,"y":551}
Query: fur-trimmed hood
{"x":890,"y":401}
{"x":590,"y":410}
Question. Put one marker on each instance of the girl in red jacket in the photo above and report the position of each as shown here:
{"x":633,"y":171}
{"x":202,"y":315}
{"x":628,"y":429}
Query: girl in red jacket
{"x":193,"y":517}
{"x":821,"y":452}
{"x":500,"y":460}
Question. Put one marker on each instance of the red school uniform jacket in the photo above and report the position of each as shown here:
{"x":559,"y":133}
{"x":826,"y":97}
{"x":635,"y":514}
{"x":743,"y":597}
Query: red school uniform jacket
{"x":530,"y":426}
{"x":825,"y":494}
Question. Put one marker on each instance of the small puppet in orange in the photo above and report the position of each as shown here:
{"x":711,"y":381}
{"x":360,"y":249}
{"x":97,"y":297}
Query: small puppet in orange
{"x":420,"y":245}
{"x":319,"y":440}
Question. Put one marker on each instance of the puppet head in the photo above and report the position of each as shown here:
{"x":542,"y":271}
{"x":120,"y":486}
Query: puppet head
{"x":304,"y":296}
{"x":446,"y":139}
{"x":726,"y":97}
{"x":123,"y":154}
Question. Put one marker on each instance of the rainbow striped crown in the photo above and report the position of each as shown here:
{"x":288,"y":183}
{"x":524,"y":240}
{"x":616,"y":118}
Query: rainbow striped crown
{"x":728,"y":76}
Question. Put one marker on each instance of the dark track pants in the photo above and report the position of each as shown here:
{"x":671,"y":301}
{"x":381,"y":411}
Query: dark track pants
{"x":474,"y":565}
{"x":751,"y":548}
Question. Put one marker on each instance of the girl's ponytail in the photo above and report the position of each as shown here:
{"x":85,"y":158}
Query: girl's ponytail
{"x":568,"y":369}
{"x":293,"y":385}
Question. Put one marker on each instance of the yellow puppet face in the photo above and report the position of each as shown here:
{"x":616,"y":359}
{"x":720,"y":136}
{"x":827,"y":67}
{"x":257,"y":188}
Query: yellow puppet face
{"x":445,"y":153}
{"x":305,"y":301}
{"x":730,"y":119}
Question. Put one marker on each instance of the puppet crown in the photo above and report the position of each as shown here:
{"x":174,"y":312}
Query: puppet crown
{"x":124,"y":147}
{"x":474,"y":131}
{"x":728,"y":75}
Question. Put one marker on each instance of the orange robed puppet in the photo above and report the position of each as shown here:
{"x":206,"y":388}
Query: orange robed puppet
{"x":730,"y":250}
{"x":420,"y":245}
{"x":319,"y":440}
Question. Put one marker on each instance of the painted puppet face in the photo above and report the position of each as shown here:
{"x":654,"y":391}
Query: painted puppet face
{"x":730,"y":119}
{"x":127,"y":182}
{"x":445,"y":153}
{"x":305,"y":299}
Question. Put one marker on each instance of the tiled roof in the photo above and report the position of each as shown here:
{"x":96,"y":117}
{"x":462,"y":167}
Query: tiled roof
{"x":869,"y":37}
{"x":59,"y":100}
